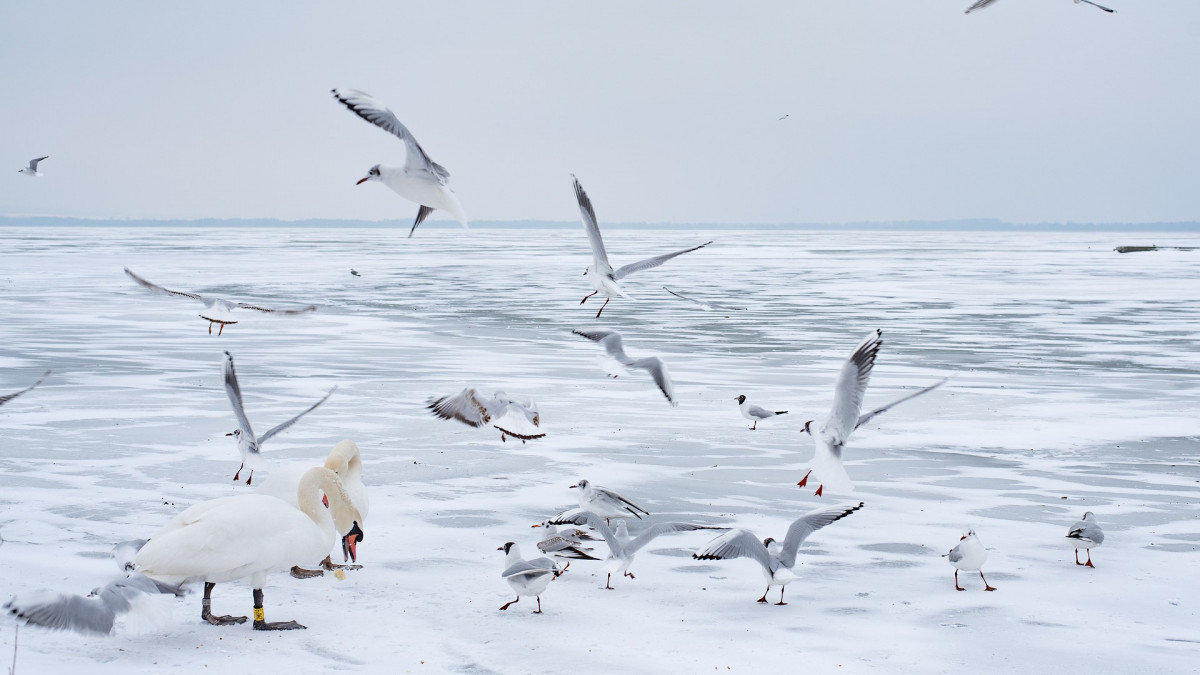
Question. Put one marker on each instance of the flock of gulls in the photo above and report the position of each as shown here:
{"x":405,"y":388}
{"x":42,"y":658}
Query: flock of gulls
{"x":292,"y":521}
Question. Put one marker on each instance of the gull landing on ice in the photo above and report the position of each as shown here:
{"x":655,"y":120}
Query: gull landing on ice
{"x":248,"y":443}
{"x":514,"y":417}
{"x":602,"y":275}
{"x":846,"y":415}
{"x":212,"y":302}
{"x":421,"y":179}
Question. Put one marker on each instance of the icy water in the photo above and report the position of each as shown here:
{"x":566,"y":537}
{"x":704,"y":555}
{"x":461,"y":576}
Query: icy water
{"x":1075,"y":388}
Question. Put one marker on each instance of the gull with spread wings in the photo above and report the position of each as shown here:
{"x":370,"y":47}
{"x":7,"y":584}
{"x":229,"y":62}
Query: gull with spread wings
{"x":212,"y":302}
{"x":248,"y":442}
{"x":8,"y":397}
{"x":421,"y":179}
{"x":615,"y":347}
{"x":776,"y":560}
{"x":984,"y":3}
{"x":846,"y":415}
{"x":516,"y":417}
{"x":602,"y":275}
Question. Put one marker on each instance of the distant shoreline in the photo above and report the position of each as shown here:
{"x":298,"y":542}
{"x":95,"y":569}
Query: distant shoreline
{"x":980,"y":225}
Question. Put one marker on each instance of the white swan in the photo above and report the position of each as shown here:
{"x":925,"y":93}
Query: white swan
{"x":346,"y":462}
{"x":241,"y":537}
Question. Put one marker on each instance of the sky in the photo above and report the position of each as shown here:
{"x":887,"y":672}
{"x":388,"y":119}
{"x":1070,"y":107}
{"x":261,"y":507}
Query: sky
{"x":1027,"y":111}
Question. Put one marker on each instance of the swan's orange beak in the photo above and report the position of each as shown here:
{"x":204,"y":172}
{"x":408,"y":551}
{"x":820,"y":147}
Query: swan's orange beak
{"x":325,"y":500}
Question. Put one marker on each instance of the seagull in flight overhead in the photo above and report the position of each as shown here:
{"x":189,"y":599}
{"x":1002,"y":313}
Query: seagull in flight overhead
{"x":212,"y":302}
{"x":612,"y":342}
{"x":984,"y":3}
{"x":31,"y":170}
{"x":421,"y":179}
{"x":473,"y":409}
{"x":602,"y":275}
{"x":776,"y":560}
{"x":248,"y":443}
{"x":8,"y":397}
{"x":846,"y":415}
{"x":706,"y":306}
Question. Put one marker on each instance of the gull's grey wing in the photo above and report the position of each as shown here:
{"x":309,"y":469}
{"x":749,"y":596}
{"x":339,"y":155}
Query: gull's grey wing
{"x":619,"y":500}
{"x":611,"y":339}
{"x":955,"y":554}
{"x":95,"y":613}
{"x":8,"y":397}
{"x":466,"y":407}
{"x":258,"y":308}
{"x":1110,"y":11}
{"x":850,"y":388}
{"x":736,"y":543}
{"x":536,"y":567}
{"x":422,"y":213}
{"x":806,"y":525}
{"x":155,"y":287}
{"x":659,"y":529}
{"x":599,"y":254}
{"x":657,"y":370}
{"x":649,"y":263}
{"x":292,"y":421}
{"x":582,"y":517}
{"x":372,"y":110}
{"x":234,"y":391}
{"x":978,"y":5}
{"x":1087,"y":530}
{"x":863,"y":419}
{"x":760,"y":413}
{"x":564,"y":547}
{"x":33,"y":163}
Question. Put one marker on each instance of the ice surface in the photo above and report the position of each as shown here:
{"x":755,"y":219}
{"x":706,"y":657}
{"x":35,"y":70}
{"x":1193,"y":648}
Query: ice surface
{"x":1076,"y":390}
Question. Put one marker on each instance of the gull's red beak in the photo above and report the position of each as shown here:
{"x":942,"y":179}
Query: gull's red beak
{"x":363,"y":180}
{"x":572,"y":486}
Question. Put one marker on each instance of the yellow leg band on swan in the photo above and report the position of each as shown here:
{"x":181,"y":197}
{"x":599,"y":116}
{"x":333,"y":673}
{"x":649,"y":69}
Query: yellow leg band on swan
{"x":258,"y":614}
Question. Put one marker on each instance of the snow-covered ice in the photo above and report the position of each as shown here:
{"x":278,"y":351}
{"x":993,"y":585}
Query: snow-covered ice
{"x":1076,"y":390}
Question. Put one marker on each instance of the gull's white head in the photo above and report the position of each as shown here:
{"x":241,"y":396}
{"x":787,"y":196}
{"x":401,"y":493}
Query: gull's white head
{"x":372,"y":174}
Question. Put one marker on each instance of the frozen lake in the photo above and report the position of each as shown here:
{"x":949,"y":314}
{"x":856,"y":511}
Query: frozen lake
{"x":1076,"y":388}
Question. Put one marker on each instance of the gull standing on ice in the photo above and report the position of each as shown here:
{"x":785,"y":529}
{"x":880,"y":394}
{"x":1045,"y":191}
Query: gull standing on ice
{"x":776,"y":560}
{"x":473,"y":409}
{"x":613,"y":344}
{"x":602,"y":275}
{"x":846,"y":415}
{"x":968,"y":556}
{"x":604,"y":502}
{"x":421,"y":179}
{"x":214,"y":302}
{"x":564,"y":544}
{"x":248,"y":443}
{"x":8,"y":397}
{"x":32,"y":169}
{"x":755,"y":413}
{"x":527,"y":577}
{"x":984,"y":3}
{"x":1085,"y":534}
{"x":622,"y":549}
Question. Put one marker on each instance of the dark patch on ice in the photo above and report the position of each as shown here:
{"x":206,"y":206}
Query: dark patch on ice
{"x":674,"y":552}
{"x":1182,"y":537}
{"x":1045,"y":624}
{"x":1195,"y":642}
{"x":953,"y":625}
{"x":476,"y":669}
{"x":898,"y":547}
{"x":848,"y":610}
{"x":1174,"y":548}
{"x":895,"y":564}
{"x":980,"y":483}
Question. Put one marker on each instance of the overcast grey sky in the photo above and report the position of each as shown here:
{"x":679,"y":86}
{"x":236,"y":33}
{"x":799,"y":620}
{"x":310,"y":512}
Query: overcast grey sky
{"x":1027,"y":111}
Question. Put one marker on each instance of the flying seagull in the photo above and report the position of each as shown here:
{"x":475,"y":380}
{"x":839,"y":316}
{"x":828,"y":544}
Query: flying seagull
{"x":612,"y":342}
{"x":8,"y":397}
{"x":984,"y":3}
{"x":622,"y":549}
{"x":776,"y":560}
{"x":706,"y":306}
{"x":421,"y":179}
{"x":248,"y":443}
{"x":212,"y":302}
{"x":32,"y":169}
{"x":845,"y":415}
{"x":602,"y":275}
{"x":473,"y":409}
